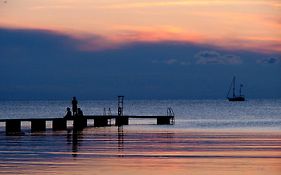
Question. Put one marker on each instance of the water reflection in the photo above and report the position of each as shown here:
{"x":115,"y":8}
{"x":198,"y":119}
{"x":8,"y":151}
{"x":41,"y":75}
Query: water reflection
{"x":74,"y":137}
{"x":120,"y":140}
{"x":126,"y":150}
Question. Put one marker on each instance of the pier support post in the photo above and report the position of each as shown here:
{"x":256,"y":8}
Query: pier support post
{"x":59,"y":124}
{"x":101,"y":121}
{"x":79,"y":123}
{"x":163,"y":121}
{"x":38,"y":125}
{"x":13,"y":126}
{"x":121,"y":120}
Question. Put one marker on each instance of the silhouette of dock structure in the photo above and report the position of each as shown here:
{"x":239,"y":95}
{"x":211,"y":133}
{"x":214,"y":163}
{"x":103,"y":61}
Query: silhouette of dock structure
{"x":39,"y":124}
{"x":80,"y":122}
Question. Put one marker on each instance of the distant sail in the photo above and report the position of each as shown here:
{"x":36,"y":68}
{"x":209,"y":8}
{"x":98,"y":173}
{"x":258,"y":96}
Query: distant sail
{"x":234,"y":97}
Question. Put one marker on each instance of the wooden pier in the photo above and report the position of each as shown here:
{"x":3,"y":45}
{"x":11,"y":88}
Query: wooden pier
{"x":39,"y":124}
{"x":80,"y":121}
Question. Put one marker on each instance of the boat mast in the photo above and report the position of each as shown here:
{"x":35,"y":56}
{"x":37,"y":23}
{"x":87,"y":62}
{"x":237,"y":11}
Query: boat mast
{"x":240,"y":91}
{"x":233,"y":86}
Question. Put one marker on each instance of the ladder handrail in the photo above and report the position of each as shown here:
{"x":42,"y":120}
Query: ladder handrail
{"x":170,"y":112}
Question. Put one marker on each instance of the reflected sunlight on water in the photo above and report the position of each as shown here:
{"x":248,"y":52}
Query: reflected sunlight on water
{"x":124,"y":150}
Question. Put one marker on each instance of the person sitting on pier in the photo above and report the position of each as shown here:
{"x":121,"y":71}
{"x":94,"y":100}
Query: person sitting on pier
{"x":80,"y":112}
{"x":74,"y":106}
{"x":68,"y":113}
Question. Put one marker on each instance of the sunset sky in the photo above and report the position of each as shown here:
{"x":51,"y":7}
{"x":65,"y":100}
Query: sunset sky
{"x":233,"y":24}
{"x":192,"y":32}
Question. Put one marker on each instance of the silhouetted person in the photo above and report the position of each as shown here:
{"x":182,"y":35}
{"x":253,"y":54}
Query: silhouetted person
{"x":74,"y":106}
{"x":68,"y":113}
{"x":79,"y":112}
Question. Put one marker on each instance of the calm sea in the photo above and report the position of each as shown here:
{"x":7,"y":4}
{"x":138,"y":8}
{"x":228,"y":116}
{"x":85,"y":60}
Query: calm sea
{"x":208,"y":137}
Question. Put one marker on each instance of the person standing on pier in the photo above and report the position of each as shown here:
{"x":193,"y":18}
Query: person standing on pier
{"x":74,"y":106}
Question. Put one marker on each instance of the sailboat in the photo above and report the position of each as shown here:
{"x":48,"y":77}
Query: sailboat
{"x":234,"y":97}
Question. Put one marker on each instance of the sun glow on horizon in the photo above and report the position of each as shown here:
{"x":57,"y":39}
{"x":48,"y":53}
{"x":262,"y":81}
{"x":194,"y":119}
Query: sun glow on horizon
{"x":246,"y":25}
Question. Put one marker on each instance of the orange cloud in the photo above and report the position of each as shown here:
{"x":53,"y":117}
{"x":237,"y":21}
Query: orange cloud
{"x":157,"y":3}
{"x":231,"y":24}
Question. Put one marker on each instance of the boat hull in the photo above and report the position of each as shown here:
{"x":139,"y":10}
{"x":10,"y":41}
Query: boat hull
{"x":236,"y":99}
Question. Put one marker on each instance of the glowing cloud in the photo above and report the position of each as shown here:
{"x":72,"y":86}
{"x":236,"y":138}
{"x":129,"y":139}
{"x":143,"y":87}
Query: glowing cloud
{"x":240,"y":24}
